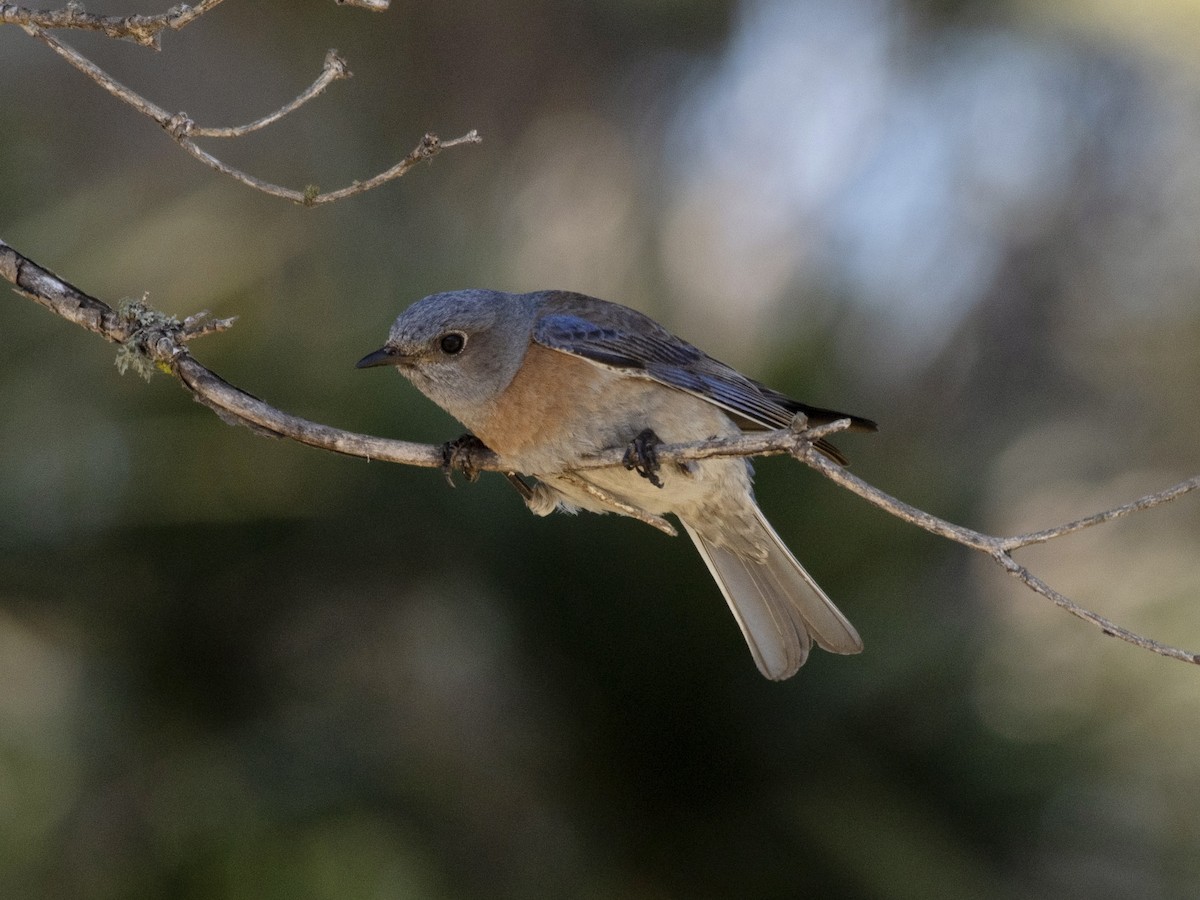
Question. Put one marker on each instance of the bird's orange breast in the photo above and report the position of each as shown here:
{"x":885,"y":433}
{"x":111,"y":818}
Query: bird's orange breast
{"x":545,"y":401}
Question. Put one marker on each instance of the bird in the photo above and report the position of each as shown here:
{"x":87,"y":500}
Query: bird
{"x":547,"y":378}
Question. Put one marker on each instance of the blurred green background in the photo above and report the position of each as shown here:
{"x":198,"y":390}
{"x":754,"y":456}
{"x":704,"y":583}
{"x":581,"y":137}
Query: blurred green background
{"x":235,"y":668}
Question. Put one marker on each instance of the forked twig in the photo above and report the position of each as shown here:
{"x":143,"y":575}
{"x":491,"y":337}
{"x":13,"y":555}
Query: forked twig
{"x":182,"y":129}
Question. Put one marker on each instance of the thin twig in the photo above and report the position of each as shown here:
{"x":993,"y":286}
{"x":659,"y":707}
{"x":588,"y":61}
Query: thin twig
{"x":431,"y":145}
{"x":182,"y":129}
{"x":334,"y":69}
{"x":612,"y":502}
{"x":1040,"y":537}
{"x":968,"y":537}
{"x":1105,"y":625}
{"x":102,"y":78}
{"x":162,"y":341}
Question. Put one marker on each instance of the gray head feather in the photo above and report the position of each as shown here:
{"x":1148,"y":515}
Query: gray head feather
{"x":494,"y":328}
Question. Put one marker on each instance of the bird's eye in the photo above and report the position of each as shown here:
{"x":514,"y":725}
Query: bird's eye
{"x":453,"y":342}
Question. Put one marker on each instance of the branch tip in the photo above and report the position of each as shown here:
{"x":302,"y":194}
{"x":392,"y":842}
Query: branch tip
{"x":337,"y":66}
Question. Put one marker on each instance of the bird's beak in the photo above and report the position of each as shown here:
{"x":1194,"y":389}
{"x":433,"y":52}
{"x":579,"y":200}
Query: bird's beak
{"x":385,"y":356}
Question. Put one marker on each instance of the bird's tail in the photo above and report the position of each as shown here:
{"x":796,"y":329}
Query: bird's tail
{"x":778,"y":606}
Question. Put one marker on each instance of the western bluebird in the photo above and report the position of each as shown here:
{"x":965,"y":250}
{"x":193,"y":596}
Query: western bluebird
{"x":547,"y":378}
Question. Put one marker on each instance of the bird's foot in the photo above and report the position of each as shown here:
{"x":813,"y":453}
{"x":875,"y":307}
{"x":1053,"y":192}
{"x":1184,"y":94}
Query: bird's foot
{"x":642,"y":456}
{"x":458,"y":455}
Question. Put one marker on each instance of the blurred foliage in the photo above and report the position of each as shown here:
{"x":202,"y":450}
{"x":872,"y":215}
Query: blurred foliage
{"x":232,"y":667}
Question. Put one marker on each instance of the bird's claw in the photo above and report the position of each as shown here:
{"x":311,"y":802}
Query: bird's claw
{"x":641,"y":456}
{"x":458,"y":455}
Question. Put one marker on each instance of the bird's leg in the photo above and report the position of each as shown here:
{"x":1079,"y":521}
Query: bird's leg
{"x":642,"y":456}
{"x":458,"y":456}
{"x":540,"y":498}
{"x":520,"y":484}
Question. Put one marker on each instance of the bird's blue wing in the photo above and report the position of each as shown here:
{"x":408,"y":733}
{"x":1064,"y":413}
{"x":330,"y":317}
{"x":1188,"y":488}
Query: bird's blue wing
{"x":638,"y":346}
{"x":623,"y":339}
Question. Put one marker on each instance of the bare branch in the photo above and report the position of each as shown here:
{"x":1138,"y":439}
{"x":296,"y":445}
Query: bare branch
{"x":141,"y":29}
{"x":182,"y":129}
{"x":144,"y":30}
{"x":161,"y":342}
{"x":163,"y":345}
{"x":966,"y":536}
